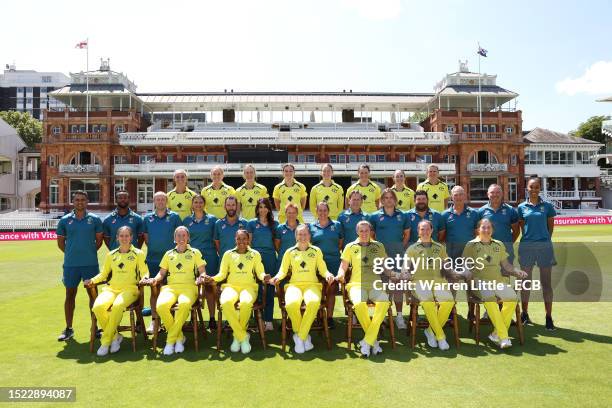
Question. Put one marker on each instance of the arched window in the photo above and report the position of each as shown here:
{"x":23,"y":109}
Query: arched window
{"x":83,"y":158}
{"x":483,"y":157}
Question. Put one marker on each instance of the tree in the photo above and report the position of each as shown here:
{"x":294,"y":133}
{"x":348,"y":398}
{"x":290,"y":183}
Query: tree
{"x":418,"y":117}
{"x":591,"y":129}
{"x":28,"y":128}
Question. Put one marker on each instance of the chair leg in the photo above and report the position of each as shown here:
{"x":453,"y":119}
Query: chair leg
{"x":477,"y":323}
{"x":219,"y":328}
{"x":155,"y":333}
{"x":194,"y":326}
{"x":283,"y":330}
{"x":391,"y":327}
{"x":202,"y":322}
{"x":133,"y":330}
{"x":92,"y":334}
{"x":519,"y":325}
{"x":349,"y":329}
{"x":413,"y":323}
{"x":260,"y":327}
{"x":456,"y":326}
{"x":141,"y":324}
{"x":326,"y":328}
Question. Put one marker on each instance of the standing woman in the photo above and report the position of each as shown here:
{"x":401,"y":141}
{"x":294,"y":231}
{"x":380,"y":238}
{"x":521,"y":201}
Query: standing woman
{"x":250,"y":192}
{"x":201,"y":228}
{"x":370,"y":191}
{"x":536,"y":219}
{"x":179,"y":198}
{"x":261,"y":230}
{"x":328,"y":235}
{"x":305,"y":262}
{"x":404,"y":194}
{"x":329,"y":191}
{"x":216,"y":192}
{"x":289,"y":191}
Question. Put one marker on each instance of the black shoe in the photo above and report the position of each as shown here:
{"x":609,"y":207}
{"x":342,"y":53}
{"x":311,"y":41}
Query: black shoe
{"x":99,"y":334}
{"x":330,"y":323}
{"x":212,"y":324}
{"x":68,"y":333}
{"x":525,"y":319}
{"x":549,"y":324}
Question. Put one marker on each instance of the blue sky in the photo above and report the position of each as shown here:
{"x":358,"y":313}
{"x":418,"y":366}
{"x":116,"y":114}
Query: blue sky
{"x":556,"y":55}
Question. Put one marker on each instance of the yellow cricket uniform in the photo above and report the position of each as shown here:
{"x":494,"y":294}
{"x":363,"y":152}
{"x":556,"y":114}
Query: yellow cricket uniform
{"x":370,"y":194}
{"x":491,"y":255}
{"x":303,"y":286}
{"x":248,"y":199}
{"x":436,"y":193}
{"x":333,"y":195}
{"x":215,"y":199}
{"x":125,"y":271}
{"x":286,"y":194}
{"x":405,"y":198}
{"x":240,"y":271}
{"x":427,"y":261}
{"x":361,"y":259}
{"x":180,"y":203}
{"x":182,"y":270}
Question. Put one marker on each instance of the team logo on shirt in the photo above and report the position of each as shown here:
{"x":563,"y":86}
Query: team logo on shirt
{"x":333,"y":228}
{"x":188,"y":256}
{"x":131,"y":258}
{"x":180,"y":205}
{"x":450,"y":217}
{"x":435,"y":196}
{"x":412,"y":217}
{"x":250,"y":200}
{"x":206,"y":222}
{"x":334,"y":190}
{"x":121,"y":265}
{"x":248,"y":257}
{"x":311,"y":255}
{"x":290,"y":198}
{"x":216,"y":200}
{"x":503,"y":211}
{"x":356,"y":250}
{"x":240,"y":265}
{"x":365,"y":197}
{"x":257,"y":226}
{"x":400,"y":203}
{"x":496,"y":249}
{"x":179,"y":266}
{"x":468,"y":215}
{"x":542,"y":208}
{"x":223,"y":192}
{"x":326,"y":198}
{"x":89,"y":220}
{"x":167,"y":219}
{"x":296,"y":190}
{"x":302,"y":264}
{"x":114,"y":221}
{"x":399,"y":217}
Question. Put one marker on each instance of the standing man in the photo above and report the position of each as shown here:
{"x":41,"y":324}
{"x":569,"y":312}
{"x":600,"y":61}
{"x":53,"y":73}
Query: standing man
{"x":350,"y":218}
{"x":179,"y":198}
{"x":405,"y":195}
{"x":437,"y":190}
{"x":120,"y":217}
{"x":250,"y":192}
{"x":504,"y":218}
{"x":459,"y":223}
{"x":421,"y":212}
{"x":79,"y":236}
{"x":289,"y":191}
{"x":216,"y":192}
{"x":226,"y":227}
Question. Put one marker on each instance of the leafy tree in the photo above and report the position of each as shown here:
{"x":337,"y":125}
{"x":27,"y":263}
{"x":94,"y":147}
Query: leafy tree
{"x":591,"y":129}
{"x":28,"y":128}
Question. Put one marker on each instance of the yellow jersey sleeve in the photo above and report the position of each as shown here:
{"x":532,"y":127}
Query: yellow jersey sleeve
{"x":224,"y":268}
{"x":143,"y":269}
{"x":377,"y":191}
{"x":321,"y":266}
{"x":347,"y":254}
{"x":276,"y":192}
{"x":285,"y":264}
{"x":164,"y":264}
{"x":198,"y":260}
{"x":106,"y":269}
{"x":313,"y":199}
{"x":259,"y":266}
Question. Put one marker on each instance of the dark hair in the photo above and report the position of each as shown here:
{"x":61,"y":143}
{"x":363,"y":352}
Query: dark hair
{"x":230,"y":197}
{"x":270,"y":217}
{"x":198,"y":196}
{"x":80,"y":192}
{"x":534,"y":178}
{"x":355,"y":192}
{"x":483,"y":220}
{"x":421,"y":193}
{"x":123,"y":228}
{"x":388,"y":191}
{"x":364,"y":166}
{"x":288,"y":165}
{"x":240,"y":231}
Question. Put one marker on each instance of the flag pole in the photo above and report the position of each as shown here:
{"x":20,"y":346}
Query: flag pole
{"x":87,"y":88}
{"x":479,"y":92}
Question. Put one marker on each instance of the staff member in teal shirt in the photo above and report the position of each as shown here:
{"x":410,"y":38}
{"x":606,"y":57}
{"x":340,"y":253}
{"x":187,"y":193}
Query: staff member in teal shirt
{"x":536,"y":218}
{"x":122,"y":216}
{"x":459,"y":223}
{"x":351,"y":216}
{"x":420,"y":212}
{"x":261,"y":230}
{"x":504,"y":218}
{"x":226,"y":227}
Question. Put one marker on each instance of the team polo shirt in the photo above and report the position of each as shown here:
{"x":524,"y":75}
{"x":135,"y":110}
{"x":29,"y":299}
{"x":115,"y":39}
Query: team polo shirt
{"x":240,"y":269}
{"x":201,"y":232}
{"x":248,"y":199}
{"x":180,"y":203}
{"x":182,"y":267}
{"x":304,"y":266}
{"x":502,"y":220}
{"x":160,"y":233}
{"x":225,"y":233}
{"x":80,"y":239}
{"x":286,"y":194}
{"x":436,"y":193}
{"x":214,"y":199}
{"x":261,"y":235}
{"x":327,"y":239}
{"x":361,"y":260}
{"x":430,"y":215}
{"x":489,"y":255}
{"x":535,"y":218}
{"x":459,"y":228}
{"x":333,"y":195}
{"x":114,"y":221}
{"x":405,"y":198}
{"x":349,"y":219}
{"x":390,"y":229}
{"x":369,"y":193}
{"x":286,"y":235}
{"x":427,"y":260}
{"x":125,"y":269}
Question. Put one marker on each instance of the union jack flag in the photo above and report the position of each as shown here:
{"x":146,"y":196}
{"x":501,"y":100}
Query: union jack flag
{"x":81,"y":45}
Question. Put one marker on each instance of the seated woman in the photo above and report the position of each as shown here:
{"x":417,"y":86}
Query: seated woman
{"x":426,"y":261}
{"x":305,"y":262}
{"x":125,"y":266}
{"x":492,"y":253}
{"x":239,"y":267}
{"x":184,"y":267}
{"x":359,"y":255}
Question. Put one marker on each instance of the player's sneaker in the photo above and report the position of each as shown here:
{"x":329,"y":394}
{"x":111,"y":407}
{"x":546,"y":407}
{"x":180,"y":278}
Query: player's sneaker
{"x":116,"y":344}
{"x":245,"y":346}
{"x":68,"y":333}
{"x":169,"y":349}
{"x":525,"y":319}
{"x":399,"y":322}
{"x":235,"y":347}
{"x":179,"y":346}
{"x":102,"y":351}
{"x":308,"y":344}
{"x":505,"y":343}
{"x":443,"y":344}
{"x":151,"y":327}
{"x":549,"y":324}
{"x":268,"y":326}
{"x":365,"y":348}
{"x":299,"y":344}
{"x":431,"y":338}
{"x":376,"y":349}
{"x":494,"y":338}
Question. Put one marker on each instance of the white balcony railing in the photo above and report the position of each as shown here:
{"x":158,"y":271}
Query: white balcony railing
{"x":274,"y":169}
{"x":80,"y":168}
{"x":568,"y":194}
{"x":487,"y":168}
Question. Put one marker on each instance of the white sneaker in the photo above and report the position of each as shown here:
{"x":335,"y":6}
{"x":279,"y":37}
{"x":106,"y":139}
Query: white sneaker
{"x":150,"y":328}
{"x":116,"y":344}
{"x":365,"y":348}
{"x":494,"y":338}
{"x":245,"y":346}
{"x":443,"y":344}
{"x":505,"y":343}
{"x":308,"y":344}
{"x":235,"y":347}
{"x":179,"y":346}
{"x":376,"y":349}
{"x":102,"y":351}
{"x":169,"y":349}
{"x":399,"y":322}
{"x":268,"y":326}
{"x":299,"y":344}
{"x":431,"y":338}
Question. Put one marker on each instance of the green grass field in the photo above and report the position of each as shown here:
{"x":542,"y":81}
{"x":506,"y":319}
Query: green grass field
{"x":561,"y":368}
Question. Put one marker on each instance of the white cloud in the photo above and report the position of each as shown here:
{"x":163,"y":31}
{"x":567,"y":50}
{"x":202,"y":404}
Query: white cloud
{"x":597,"y":79}
{"x":375,"y":9}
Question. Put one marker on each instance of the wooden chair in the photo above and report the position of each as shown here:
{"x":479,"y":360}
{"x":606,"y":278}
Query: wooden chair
{"x":475,"y":321}
{"x":348,"y":309}
{"x":319,"y":324}
{"x":258,"y":308}
{"x":191,"y":325}
{"x":135,"y":311}
{"x":414,"y":303}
